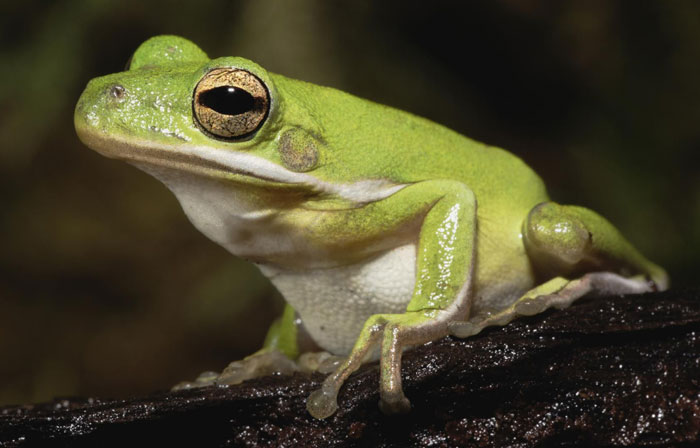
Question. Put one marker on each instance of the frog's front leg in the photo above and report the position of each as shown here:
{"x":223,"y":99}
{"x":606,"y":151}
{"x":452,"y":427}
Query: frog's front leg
{"x":586,"y":255}
{"x":445,"y":263}
{"x":286,"y":340}
{"x":277,"y":355}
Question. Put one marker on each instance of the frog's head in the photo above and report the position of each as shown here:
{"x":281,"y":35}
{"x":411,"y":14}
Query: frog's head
{"x":175,"y":109}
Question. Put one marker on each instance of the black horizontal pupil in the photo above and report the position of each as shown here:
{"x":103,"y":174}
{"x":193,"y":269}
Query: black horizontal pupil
{"x":227,"y":100}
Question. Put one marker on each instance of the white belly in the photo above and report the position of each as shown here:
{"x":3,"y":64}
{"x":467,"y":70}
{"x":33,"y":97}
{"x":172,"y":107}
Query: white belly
{"x":334,"y":303}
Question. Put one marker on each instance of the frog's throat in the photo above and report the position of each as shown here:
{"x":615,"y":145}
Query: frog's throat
{"x":207,"y":161}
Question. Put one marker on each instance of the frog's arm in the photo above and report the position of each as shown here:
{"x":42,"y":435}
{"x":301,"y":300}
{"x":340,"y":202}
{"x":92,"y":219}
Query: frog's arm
{"x":581,"y":253}
{"x":444,"y":265}
{"x":283,"y":334}
{"x":285,"y":341}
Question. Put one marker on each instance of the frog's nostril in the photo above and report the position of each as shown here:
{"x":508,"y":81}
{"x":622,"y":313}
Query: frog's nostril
{"x":117,"y":92}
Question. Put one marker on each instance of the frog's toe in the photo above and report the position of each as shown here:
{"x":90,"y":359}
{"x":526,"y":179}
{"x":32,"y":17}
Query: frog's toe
{"x":204,"y":379}
{"x":323,"y":402}
{"x":236,"y":372}
{"x":473,"y":326}
{"x":257,"y":365}
{"x":533,"y":306}
{"x":322,"y":362}
{"x":464,"y":329}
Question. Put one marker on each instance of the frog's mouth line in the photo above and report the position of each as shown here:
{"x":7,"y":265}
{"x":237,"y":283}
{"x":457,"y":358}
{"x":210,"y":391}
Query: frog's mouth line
{"x":177,"y":157}
{"x":212,"y":162}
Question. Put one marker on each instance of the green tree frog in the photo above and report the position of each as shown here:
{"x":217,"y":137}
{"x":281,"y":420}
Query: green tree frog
{"x":381,"y":229}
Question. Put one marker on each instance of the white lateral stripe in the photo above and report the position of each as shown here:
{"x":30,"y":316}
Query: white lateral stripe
{"x":248,"y":164}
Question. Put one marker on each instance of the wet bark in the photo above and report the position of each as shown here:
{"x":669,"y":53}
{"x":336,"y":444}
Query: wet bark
{"x":616,"y":371}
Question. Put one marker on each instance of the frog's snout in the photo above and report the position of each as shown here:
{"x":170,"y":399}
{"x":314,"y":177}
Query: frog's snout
{"x":92,"y":115}
{"x":95,"y":102}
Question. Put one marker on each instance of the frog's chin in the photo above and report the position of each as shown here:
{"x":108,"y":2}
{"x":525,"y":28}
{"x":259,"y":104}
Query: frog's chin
{"x":229,"y":165}
{"x":186,"y":158}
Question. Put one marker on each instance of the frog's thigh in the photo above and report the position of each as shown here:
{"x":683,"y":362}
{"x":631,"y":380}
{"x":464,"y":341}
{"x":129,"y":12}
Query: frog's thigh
{"x":556,"y":293}
{"x":567,"y":240}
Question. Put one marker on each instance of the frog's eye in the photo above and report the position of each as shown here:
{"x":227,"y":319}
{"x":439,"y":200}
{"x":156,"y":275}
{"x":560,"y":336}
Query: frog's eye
{"x":230,"y":103}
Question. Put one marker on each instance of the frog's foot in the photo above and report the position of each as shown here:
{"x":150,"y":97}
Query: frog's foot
{"x":262,"y":363}
{"x":394,"y":332}
{"x":322,"y":362}
{"x":557,"y":293}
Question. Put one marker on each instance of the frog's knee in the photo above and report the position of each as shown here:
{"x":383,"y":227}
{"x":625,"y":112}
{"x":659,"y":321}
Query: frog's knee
{"x":556,"y":241}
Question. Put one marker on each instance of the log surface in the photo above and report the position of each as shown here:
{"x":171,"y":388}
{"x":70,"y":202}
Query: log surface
{"x":622,"y":371}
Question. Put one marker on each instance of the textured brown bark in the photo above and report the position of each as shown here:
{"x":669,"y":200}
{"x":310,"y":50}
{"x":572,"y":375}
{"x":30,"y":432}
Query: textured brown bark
{"x":621,"y":371}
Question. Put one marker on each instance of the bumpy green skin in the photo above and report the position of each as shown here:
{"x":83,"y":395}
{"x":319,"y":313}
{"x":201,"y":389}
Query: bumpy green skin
{"x":471,"y":209}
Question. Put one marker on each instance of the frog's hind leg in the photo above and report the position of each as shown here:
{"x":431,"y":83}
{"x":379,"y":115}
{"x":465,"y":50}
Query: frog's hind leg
{"x":557,"y":293}
{"x":569,"y":241}
{"x":582,"y":254}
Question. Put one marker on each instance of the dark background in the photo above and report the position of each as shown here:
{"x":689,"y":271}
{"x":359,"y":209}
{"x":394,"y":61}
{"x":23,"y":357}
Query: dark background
{"x":107,"y":290}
